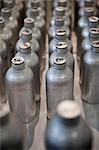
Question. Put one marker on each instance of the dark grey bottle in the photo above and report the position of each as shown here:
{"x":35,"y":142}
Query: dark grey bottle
{"x":11,"y":23}
{"x":37,"y":4}
{"x":3,"y":98}
{"x":59,"y":24}
{"x":59,"y":37}
{"x":62,"y":51}
{"x":59,"y":79}
{"x":60,"y":11}
{"x":32,"y":61}
{"x":6,"y":36}
{"x":29,"y":24}
{"x":39,"y":21}
{"x":26,"y":36}
{"x":68,"y":126}
{"x":20,"y":88}
{"x":88,"y":12}
{"x":90,"y":82}
{"x":11,"y":130}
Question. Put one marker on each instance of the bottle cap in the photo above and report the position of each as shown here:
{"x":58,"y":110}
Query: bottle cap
{"x":68,"y":109}
{"x":18,"y":63}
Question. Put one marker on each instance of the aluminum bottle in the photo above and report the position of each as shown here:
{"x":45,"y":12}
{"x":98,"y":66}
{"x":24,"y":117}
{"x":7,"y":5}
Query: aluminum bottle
{"x":90,"y":82}
{"x":26,"y":36}
{"x":2,"y":82}
{"x":88,"y":12}
{"x":59,"y":37}
{"x":6,"y":36}
{"x":11,"y":130}
{"x":20,"y":88}
{"x":67,"y":126}
{"x":59,"y":24}
{"x":59,"y":79}
{"x":39,"y":21}
{"x":3,"y":54}
{"x":62,"y":51}
{"x":29,"y":24}
{"x":32,"y":61}
{"x":60,"y":11}
{"x":37,"y":4}
{"x":11,"y":23}
{"x":93,"y":22}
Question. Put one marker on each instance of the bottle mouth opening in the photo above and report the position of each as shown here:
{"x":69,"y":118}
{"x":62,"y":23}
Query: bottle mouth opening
{"x":95,"y":44}
{"x":93,"y":19}
{"x":29,"y":20}
{"x":1,"y":20}
{"x":61,"y":45}
{"x":60,"y":32}
{"x":60,"y":8}
{"x":60,"y":61}
{"x":25,"y":46}
{"x":17,"y":60}
{"x":89,"y":9}
{"x":6,"y":9}
{"x":26,"y":32}
{"x":94,"y":30}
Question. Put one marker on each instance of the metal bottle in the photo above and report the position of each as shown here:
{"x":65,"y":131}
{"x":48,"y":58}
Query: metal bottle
{"x":26,"y":36}
{"x":90,"y":82}
{"x":67,"y":126}
{"x":37,"y":4}
{"x":11,"y":130}
{"x":59,"y":37}
{"x":29,"y":24}
{"x":38,"y":20}
{"x":59,"y":24}
{"x":11,"y":23}
{"x":62,"y":51}
{"x":60,"y":11}
{"x":2,"y":82}
{"x":32,"y":61}
{"x":59,"y":79}
{"x":3,"y":54}
{"x":20,"y":88}
{"x":88,"y":12}
{"x":6,"y":36}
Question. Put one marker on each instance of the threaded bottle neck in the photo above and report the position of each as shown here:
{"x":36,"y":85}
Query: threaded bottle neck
{"x":60,"y":63}
{"x":62,"y":3}
{"x":95,"y":46}
{"x":26,"y":35}
{"x":25,"y":48}
{"x":61,"y":48}
{"x":88,"y":12}
{"x":35,"y":3}
{"x":94,"y":34}
{"x":60,"y":11}
{"x":59,"y":22}
{"x":93,"y":22}
{"x":29,"y":23}
{"x":60,"y":35}
{"x":18,"y":63}
{"x":88,"y":3}
{"x":34,"y":12}
{"x":6,"y":13}
{"x":9,"y":3}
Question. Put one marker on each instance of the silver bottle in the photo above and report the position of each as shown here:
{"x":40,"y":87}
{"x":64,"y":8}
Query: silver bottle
{"x":32,"y":61}
{"x":39,"y":21}
{"x":29,"y":24}
{"x":20,"y":88}
{"x":90,"y":83}
{"x":62,"y":51}
{"x":59,"y":37}
{"x":11,"y":23}
{"x":59,"y":24}
{"x":26,"y":36}
{"x":60,"y":11}
{"x":6,"y":36}
{"x":59,"y":85}
{"x":37,"y":4}
{"x":2,"y":82}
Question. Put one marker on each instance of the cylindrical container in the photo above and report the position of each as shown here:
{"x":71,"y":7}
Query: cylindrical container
{"x":11,"y":23}
{"x":60,"y":11}
{"x":59,"y":79}
{"x":20,"y":88}
{"x":6,"y":36}
{"x":32,"y":61}
{"x":38,"y":20}
{"x":26,"y":36}
{"x":88,"y":12}
{"x":59,"y":24}
{"x":29,"y":24}
{"x":90,"y":85}
{"x":11,"y":130}
{"x":37,"y":4}
{"x":3,"y":98}
{"x":67,"y":126}
{"x":62,"y":51}
{"x":59,"y":37}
